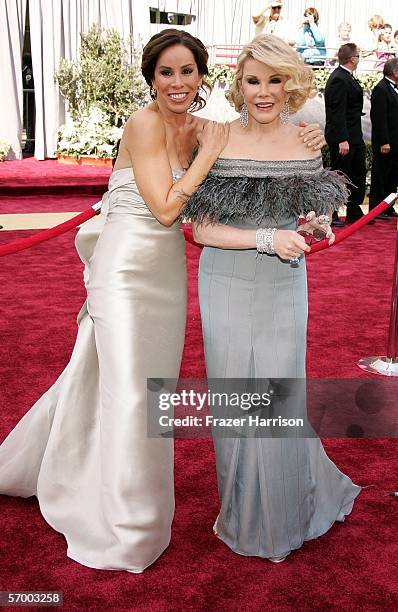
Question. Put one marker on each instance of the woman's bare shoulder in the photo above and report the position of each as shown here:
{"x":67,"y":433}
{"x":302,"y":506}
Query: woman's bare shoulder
{"x":148,"y":117}
{"x":145,"y":123}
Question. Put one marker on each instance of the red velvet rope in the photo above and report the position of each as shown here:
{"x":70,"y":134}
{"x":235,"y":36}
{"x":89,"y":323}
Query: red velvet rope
{"x":26,"y":243}
{"x":351,"y":229}
{"x":323,"y":244}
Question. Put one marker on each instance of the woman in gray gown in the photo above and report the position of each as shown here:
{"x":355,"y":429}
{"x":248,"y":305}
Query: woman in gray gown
{"x":277,"y":491}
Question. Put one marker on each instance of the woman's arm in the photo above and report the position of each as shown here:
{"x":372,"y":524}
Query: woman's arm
{"x":300,"y":40}
{"x":145,"y":139}
{"x":319,"y":36}
{"x":287,"y":243}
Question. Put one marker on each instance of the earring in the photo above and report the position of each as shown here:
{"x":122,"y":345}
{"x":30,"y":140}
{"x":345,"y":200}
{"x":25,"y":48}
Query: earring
{"x":285,"y":114}
{"x":153,"y":93}
{"x":244,"y":116}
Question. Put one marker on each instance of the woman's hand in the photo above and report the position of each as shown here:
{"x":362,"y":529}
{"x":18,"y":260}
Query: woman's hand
{"x":289,"y":244}
{"x":319,"y":227}
{"x":213,"y":138}
{"x":312,"y":135}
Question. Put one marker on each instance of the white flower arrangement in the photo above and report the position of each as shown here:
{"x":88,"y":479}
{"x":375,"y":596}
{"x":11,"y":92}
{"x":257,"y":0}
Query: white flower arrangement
{"x":4,"y":149}
{"x":92,"y":135}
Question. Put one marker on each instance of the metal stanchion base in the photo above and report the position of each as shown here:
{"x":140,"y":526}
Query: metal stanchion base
{"x":386,"y":366}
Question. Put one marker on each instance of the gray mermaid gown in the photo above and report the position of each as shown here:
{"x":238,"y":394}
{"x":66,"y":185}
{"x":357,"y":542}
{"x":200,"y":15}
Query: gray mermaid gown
{"x":275,"y":492}
{"x":83,"y":448}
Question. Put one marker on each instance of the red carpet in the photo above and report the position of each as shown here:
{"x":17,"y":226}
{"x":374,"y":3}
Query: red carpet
{"x":46,"y":203}
{"x":29,"y":176}
{"x":352,"y":567}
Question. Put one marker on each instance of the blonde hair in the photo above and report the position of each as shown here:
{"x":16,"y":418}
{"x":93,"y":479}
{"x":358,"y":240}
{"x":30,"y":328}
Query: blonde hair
{"x":376,"y":21}
{"x":277,"y":54}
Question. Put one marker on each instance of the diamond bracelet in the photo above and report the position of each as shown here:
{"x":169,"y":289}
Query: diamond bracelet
{"x":265,"y":240}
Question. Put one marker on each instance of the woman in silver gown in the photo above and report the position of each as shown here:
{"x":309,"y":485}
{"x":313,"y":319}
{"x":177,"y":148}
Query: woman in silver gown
{"x":83,"y":448}
{"x":277,"y":491}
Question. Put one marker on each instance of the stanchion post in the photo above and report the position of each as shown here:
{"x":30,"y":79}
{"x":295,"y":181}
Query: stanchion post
{"x":393,"y":330}
{"x":387,"y":365}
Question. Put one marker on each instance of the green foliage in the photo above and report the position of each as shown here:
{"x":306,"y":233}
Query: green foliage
{"x":91,"y":134}
{"x":106,"y":75}
{"x":4,"y":149}
{"x":225,"y":74}
{"x":321,"y":75}
{"x":220,"y":73}
{"x":367,"y":80}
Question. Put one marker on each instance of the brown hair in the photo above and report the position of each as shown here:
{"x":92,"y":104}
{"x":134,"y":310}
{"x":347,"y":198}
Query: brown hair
{"x":167,"y":38}
{"x":346,"y":52}
{"x":312,"y":11}
{"x":276,"y":53}
{"x":390,"y":66}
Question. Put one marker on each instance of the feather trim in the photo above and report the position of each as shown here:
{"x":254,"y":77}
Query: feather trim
{"x":224,"y":199}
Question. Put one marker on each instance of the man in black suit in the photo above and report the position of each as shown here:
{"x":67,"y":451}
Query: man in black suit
{"x":384,"y":117}
{"x":343,"y":130}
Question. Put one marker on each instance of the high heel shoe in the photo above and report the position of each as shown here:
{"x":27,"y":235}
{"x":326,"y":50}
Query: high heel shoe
{"x":277,"y":559}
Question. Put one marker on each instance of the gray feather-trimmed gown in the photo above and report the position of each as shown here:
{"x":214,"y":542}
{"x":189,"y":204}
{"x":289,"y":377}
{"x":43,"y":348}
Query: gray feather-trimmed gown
{"x":275,"y":492}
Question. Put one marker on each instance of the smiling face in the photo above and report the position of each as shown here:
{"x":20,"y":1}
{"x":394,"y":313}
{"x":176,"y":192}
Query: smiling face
{"x":345,"y":32}
{"x":176,"y":78}
{"x":387,"y":34}
{"x":275,"y":13}
{"x":263,"y":91}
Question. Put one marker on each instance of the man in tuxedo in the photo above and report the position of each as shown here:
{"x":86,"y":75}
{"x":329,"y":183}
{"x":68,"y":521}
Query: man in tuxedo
{"x":343,"y":130}
{"x":384,"y":118}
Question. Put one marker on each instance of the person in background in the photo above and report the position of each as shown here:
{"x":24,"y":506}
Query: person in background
{"x":343,"y":129}
{"x":370,"y":43}
{"x":395,"y":44}
{"x":384,"y":50}
{"x":274,"y":23}
{"x":310,"y":40}
{"x":343,"y":33}
{"x":343,"y":37}
{"x":384,"y":118}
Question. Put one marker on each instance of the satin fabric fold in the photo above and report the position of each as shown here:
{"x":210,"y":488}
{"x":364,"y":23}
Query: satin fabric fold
{"x":83,"y":448}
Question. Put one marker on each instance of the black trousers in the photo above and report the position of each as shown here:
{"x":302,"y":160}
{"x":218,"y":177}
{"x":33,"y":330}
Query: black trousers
{"x":354,"y":166}
{"x":384,"y":178}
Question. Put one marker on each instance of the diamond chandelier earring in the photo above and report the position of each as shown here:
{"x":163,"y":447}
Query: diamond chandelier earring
{"x":285,"y":114}
{"x":153,"y":93}
{"x":244,"y":116}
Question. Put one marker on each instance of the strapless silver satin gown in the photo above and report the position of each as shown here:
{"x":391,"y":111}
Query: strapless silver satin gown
{"x":83,"y":448}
